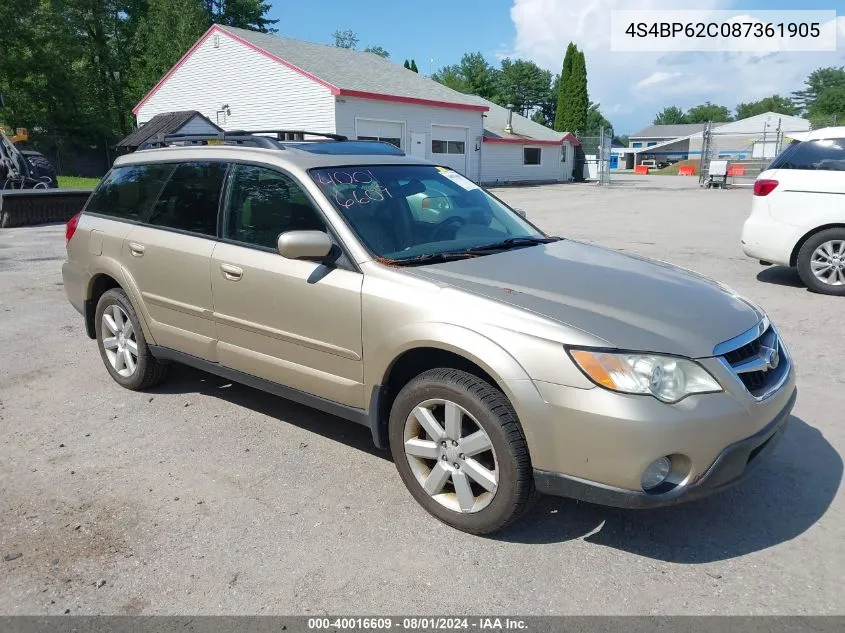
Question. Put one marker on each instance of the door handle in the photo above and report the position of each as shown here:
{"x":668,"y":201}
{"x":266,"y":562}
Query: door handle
{"x":136,"y":249}
{"x":232,"y":273}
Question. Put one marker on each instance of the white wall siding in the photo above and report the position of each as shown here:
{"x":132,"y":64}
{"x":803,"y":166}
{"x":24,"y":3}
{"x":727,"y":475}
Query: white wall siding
{"x":197,"y":125}
{"x":415,"y":118}
{"x":502,"y":162}
{"x":260,"y":92}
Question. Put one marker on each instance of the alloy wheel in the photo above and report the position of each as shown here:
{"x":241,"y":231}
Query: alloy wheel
{"x":451,"y":456}
{"x":118,"y":338}
{"x":828,"y":262}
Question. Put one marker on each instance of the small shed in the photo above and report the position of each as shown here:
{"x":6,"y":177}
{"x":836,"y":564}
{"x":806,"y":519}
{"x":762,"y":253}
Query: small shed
{"x":182,"y":122}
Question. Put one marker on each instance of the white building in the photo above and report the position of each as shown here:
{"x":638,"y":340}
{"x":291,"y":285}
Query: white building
{"x":756,"y":137}
{"x":244,"y":80}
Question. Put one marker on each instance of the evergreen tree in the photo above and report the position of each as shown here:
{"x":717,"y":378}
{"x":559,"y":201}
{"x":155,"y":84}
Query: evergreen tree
{"x":414,"y":66}
{"x":580,"y":98}
{"x":244,"y":14}
{"x":407,"y":65}
{"x":563,"y":108}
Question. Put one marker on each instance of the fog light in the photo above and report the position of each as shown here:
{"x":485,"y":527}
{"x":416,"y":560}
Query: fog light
{"x":656,"y":473}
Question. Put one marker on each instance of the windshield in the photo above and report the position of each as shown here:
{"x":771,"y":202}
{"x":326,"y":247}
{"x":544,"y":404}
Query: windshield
{"x":402,"y":212}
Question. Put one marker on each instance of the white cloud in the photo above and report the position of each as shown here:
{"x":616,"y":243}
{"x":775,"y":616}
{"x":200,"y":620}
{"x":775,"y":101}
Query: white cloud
{"x":634,"y":86}
{"x":655,"y":78}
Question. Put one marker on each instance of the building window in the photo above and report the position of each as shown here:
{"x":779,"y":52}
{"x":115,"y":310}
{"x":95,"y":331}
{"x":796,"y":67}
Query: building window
{"x":563,"y":151}
{"x":651,"y":143}
{"x":636,"y":144}
{"x":386,"y":139}
{"x":448,"y":147}
{"x":531,"y":155}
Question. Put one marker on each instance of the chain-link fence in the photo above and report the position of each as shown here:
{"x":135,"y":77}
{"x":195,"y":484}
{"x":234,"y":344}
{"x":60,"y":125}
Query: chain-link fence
{"x":748,"y":151}
{"x":73,"y":155}
{"x":592,"y":160}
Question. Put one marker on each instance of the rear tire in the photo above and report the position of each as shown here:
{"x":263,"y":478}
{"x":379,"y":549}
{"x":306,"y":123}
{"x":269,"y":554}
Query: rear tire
{"x":821,"y":262}
{"x":470,"y":450}
{"x":122,"y":345}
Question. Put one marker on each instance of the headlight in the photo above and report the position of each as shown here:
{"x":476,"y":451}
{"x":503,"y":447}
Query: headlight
{"x":667,"y":378}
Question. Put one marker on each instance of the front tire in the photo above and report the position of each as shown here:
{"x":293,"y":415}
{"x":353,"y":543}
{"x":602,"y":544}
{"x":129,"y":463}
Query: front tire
{"x":460,"y":450}
{"x":122,"y":345}
{"x":821,"y":262}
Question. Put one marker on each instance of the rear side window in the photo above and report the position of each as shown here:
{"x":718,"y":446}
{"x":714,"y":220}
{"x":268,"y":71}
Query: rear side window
{"x":820,"y":155}
{"x":128,"y":192}
{"x":190,"y":199}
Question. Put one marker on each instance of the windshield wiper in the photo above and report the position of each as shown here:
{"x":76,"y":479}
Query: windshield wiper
{"x":472,"y":251}
{"x":431,"y":258}
{"x":513,"y":242}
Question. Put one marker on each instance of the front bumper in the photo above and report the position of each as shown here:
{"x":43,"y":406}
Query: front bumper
{"x":731,"y":466}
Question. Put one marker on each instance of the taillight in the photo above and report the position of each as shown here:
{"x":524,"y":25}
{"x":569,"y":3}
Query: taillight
{"x":764,"y":187}
{"x":70,"y":227}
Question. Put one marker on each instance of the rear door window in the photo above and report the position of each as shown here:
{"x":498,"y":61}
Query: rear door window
{"x":127,"y":193}
{"x":819,"y":155}
{"x":191,"y":198}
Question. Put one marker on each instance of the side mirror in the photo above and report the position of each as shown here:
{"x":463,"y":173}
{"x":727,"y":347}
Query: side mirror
{"x":521,"y":213}
{"x":304,"y":245}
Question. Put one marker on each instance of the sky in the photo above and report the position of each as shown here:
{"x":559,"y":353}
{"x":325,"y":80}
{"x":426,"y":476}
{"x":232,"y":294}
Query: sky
{"x":631,"y":87}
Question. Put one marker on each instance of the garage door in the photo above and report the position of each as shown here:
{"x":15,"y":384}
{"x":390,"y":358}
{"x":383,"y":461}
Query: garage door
{"x":375,"y":130}
{"x":449,"y":146}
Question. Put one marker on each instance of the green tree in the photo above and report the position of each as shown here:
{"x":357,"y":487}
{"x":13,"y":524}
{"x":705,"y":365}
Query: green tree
{"x":472,"y":75}
{"x":819,"y":80}
{"x":581,"y":98}
{"x":407,"y":65}
{"x":414,"y":66}
{"x":41,"y":86}
{"x":105,"y":32}
{"x":828,"y":108}
{"x":775,"y":103}
{"x":377,"y":50}
{"x":564,"y":105}
{"x":345,"y":39}
{"x":707,"y":112}
{"x":671,"y":115}
{"x":451,"y":77}
{"x":596,"y":121}
{"x":171,"y":28}
{"x":244,"y":14}
{"x":522,"y":84}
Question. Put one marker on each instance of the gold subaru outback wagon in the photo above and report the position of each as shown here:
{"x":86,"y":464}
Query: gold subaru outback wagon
{"x":493,"y":360}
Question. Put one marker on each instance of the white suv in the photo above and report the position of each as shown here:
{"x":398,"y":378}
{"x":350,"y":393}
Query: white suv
{"x":798,"y":214}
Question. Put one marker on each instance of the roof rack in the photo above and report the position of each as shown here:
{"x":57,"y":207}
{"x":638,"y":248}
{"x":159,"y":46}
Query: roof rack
{"x":223,"y":138}
{"x":299,"y":135}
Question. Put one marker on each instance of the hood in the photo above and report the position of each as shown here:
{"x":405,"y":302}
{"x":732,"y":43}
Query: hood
{"x":630,"y":302}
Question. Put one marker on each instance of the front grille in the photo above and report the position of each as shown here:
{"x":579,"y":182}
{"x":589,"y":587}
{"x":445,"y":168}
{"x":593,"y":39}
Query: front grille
{"x":752,"y":363}
{"x":749,"y":350}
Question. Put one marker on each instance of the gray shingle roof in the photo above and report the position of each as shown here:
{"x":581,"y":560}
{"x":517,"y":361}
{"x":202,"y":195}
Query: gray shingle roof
{"x":496,"y":118}
{"x":164,"y":123}
{"x":350,"y":70}
{"x":671,"y":131}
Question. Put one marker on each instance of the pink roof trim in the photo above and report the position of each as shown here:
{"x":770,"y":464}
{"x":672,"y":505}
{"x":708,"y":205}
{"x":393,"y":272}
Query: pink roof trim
{"x":428,"y":102}
{"x":216,"y":28}
{"x":530,"y":141}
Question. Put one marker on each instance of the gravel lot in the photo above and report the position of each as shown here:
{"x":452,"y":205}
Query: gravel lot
{"x":204,"y":497}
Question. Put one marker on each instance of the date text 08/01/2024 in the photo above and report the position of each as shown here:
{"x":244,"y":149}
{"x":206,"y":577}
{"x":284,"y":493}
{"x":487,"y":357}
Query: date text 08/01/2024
{"x":418,"y":623}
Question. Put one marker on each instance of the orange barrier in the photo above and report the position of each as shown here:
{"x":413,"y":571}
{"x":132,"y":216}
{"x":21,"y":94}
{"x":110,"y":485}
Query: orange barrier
{"x":736,"y":170}
{"x":642,"y":170}
{"x":686,"y":170}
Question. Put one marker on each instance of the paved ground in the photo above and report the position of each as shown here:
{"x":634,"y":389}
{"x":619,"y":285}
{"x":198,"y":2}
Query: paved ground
{"x":206,"y":497}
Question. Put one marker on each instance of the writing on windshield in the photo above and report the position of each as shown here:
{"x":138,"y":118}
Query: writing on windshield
{"x":350,"y":188}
